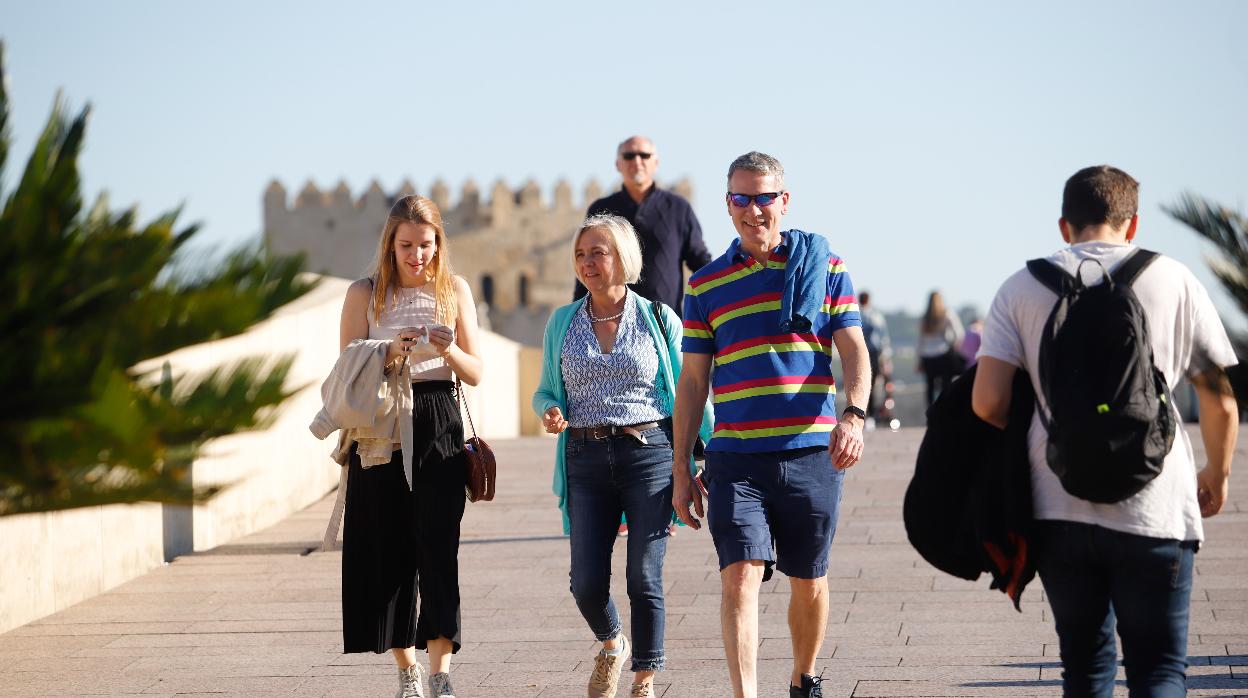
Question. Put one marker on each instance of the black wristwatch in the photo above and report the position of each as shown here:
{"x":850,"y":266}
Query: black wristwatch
{"x":856,"y":411}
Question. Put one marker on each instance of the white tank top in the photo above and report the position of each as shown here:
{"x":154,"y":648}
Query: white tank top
{"x":412,"y":307}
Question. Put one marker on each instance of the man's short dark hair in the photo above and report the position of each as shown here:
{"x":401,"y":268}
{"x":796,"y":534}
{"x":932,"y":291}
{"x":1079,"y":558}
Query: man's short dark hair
{"x":864,"y":298}
{"x":1100,"y":194}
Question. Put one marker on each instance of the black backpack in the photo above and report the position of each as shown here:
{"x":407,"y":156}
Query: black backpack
{"x":1110,"y":421}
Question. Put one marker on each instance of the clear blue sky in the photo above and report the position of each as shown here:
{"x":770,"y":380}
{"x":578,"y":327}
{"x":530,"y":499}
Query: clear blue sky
{"x":928,"y":141}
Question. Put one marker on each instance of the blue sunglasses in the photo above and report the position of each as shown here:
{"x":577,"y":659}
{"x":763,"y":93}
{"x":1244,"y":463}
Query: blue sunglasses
{"x":763,"y":200}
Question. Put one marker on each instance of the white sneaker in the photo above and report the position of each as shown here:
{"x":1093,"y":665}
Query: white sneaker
{"x":411,"y":682}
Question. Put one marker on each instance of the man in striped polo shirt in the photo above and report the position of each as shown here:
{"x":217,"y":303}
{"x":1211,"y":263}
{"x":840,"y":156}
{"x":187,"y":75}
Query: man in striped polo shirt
{"x":778,"y":452}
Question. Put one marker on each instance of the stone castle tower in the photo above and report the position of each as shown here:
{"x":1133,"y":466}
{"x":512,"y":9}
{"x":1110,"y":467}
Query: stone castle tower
{"x":513,"y":248}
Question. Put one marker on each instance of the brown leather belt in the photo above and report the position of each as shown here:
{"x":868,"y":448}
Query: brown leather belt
{"x":606,"y":431}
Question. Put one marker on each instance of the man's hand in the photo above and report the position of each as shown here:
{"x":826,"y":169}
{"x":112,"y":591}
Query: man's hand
{"x":553,"y":421}
{"x":1212,"y":487}
{"x":688,"y":490}
{"x":845,"y":446}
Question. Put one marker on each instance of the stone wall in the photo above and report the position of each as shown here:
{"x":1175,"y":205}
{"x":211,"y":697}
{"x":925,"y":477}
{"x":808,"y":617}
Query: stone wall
{"x":512,"y":246}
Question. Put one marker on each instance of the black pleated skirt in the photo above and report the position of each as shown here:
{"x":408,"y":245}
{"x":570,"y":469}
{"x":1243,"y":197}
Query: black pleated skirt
{"x":400,"y":552}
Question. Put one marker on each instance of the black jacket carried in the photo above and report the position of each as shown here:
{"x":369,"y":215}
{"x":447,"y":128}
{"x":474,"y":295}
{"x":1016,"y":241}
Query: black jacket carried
{"x":968,"y":506}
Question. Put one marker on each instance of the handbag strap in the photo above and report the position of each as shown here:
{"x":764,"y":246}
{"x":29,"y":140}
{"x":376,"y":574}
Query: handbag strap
{"x":459,"y":391}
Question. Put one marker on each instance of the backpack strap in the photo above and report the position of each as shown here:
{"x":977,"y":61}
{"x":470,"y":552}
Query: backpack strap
{"x":1131,"y":267}
{"x":1055,"y":278}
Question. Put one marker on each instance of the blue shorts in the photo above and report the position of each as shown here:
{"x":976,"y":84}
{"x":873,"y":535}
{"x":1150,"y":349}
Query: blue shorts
{"x":791,"y":498}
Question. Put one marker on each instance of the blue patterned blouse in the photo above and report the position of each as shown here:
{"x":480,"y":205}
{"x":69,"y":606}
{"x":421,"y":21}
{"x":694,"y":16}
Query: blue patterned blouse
{"x":619,"y":388}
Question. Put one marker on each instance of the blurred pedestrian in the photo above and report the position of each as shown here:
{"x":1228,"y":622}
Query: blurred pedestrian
{"x":940,"y":334}
{"x":879,"y":349}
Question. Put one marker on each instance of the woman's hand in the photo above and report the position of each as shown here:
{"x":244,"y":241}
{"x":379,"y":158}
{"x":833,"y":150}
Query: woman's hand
{"x":402,"y":343}
{"x":441,"y":337}
{"x":553,"y":421}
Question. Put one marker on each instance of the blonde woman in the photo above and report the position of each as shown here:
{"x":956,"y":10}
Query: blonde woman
{"x":940,"y":335}
{"x":401,"y":542}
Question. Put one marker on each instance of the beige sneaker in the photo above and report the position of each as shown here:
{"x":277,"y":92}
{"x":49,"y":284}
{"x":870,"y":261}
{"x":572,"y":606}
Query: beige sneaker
{"x":642,"y":690}
{"x":607,"y":668}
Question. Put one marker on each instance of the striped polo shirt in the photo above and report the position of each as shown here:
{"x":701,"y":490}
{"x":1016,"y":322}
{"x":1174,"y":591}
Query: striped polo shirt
{"x":772,"y":390}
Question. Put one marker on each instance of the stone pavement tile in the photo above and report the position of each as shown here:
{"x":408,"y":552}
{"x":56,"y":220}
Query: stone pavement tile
{"x":948,"y":598}
{"x":49,"y":665}
{"x":89,"y":629}
{"x":1232,"y":566}
{"x":948,"y":673}
{"x":992,"y":651}
{"x":147,"y":650}
{"x":870,"y":689}
{"x":348,"y":686}
{"x":239,"y":663}
{"x":269,"y":669}
{"x":69,"y":681}
{"x":1227,"y":594}
{"x":331,"y":623}
{"x":1217,"y":627}
{"x":249,"y":685}
{"x":527,"y":682}
{"x":191,"y":640}
{"x":1211,"y":582}
{"x":1030,"y":663}
{"x":131,"y":613}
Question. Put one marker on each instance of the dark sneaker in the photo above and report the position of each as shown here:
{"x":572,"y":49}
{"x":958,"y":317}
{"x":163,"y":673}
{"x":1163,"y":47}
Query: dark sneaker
{"x":809,"y":689}
{"x":607,"y":667}
{"x":440,"y":685}
{"x":411,"y":682}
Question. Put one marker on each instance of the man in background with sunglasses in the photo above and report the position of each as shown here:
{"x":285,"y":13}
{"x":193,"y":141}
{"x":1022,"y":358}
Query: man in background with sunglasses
{"x":669,"y":233}
{"x":766,"y":315}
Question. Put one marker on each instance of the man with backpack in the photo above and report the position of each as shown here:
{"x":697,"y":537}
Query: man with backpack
{"x":1105,"y":331}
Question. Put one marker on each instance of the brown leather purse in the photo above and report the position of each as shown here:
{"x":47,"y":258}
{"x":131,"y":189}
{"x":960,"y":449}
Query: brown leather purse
{"x":479,"y":458}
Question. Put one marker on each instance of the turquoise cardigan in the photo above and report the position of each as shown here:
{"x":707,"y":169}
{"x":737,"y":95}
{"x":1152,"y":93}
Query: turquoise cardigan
{"x":551,"y":392}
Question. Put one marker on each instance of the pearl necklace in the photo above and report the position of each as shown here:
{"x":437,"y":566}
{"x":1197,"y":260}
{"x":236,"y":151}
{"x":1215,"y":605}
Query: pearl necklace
{"x":589,"y":308}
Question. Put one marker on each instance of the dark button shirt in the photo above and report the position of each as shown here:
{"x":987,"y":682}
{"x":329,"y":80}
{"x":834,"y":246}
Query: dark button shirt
{"x":670,"y":236}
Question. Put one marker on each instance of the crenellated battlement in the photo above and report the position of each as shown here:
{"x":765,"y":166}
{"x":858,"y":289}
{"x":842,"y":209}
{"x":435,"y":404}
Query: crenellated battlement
{"x":528,"y":198}
{"x":512,"y":244}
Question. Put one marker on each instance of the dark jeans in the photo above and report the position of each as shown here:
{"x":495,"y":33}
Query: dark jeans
{"x":607,"y":478}
{"x":874,"y":360}
{"x":939,"y":371}
{"x":1094,"y":576}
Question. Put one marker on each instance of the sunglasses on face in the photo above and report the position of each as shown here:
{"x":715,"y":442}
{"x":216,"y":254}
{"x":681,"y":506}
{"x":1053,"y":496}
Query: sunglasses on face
{"x":631,"y":155}
{"x":763,"y":200}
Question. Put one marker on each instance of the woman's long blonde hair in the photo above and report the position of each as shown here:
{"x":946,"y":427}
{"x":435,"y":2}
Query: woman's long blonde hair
{"x":935,"y":315}
{"x":385,"y":272}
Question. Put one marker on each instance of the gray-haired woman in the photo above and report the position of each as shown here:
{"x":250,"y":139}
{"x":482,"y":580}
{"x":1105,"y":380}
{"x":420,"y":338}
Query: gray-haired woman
{"x":608,"y":388}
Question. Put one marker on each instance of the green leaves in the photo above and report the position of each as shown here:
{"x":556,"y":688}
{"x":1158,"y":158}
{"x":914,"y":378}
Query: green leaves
{"x":1228,"y":231}
{"x":89,"y":295}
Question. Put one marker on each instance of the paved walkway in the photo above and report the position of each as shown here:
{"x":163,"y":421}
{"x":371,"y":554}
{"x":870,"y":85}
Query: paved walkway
{"x":260,"y":617}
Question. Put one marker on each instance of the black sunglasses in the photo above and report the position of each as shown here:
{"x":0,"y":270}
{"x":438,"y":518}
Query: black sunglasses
{"x":629,"y":155}
{"x":763,"y":200}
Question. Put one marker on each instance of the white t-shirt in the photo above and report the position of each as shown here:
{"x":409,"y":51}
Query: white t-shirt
{"x":1187,"y":338}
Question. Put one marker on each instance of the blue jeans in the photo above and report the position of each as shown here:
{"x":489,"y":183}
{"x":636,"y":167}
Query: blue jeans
{"x":607,"y":478}
{"x":1094,"y":576}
